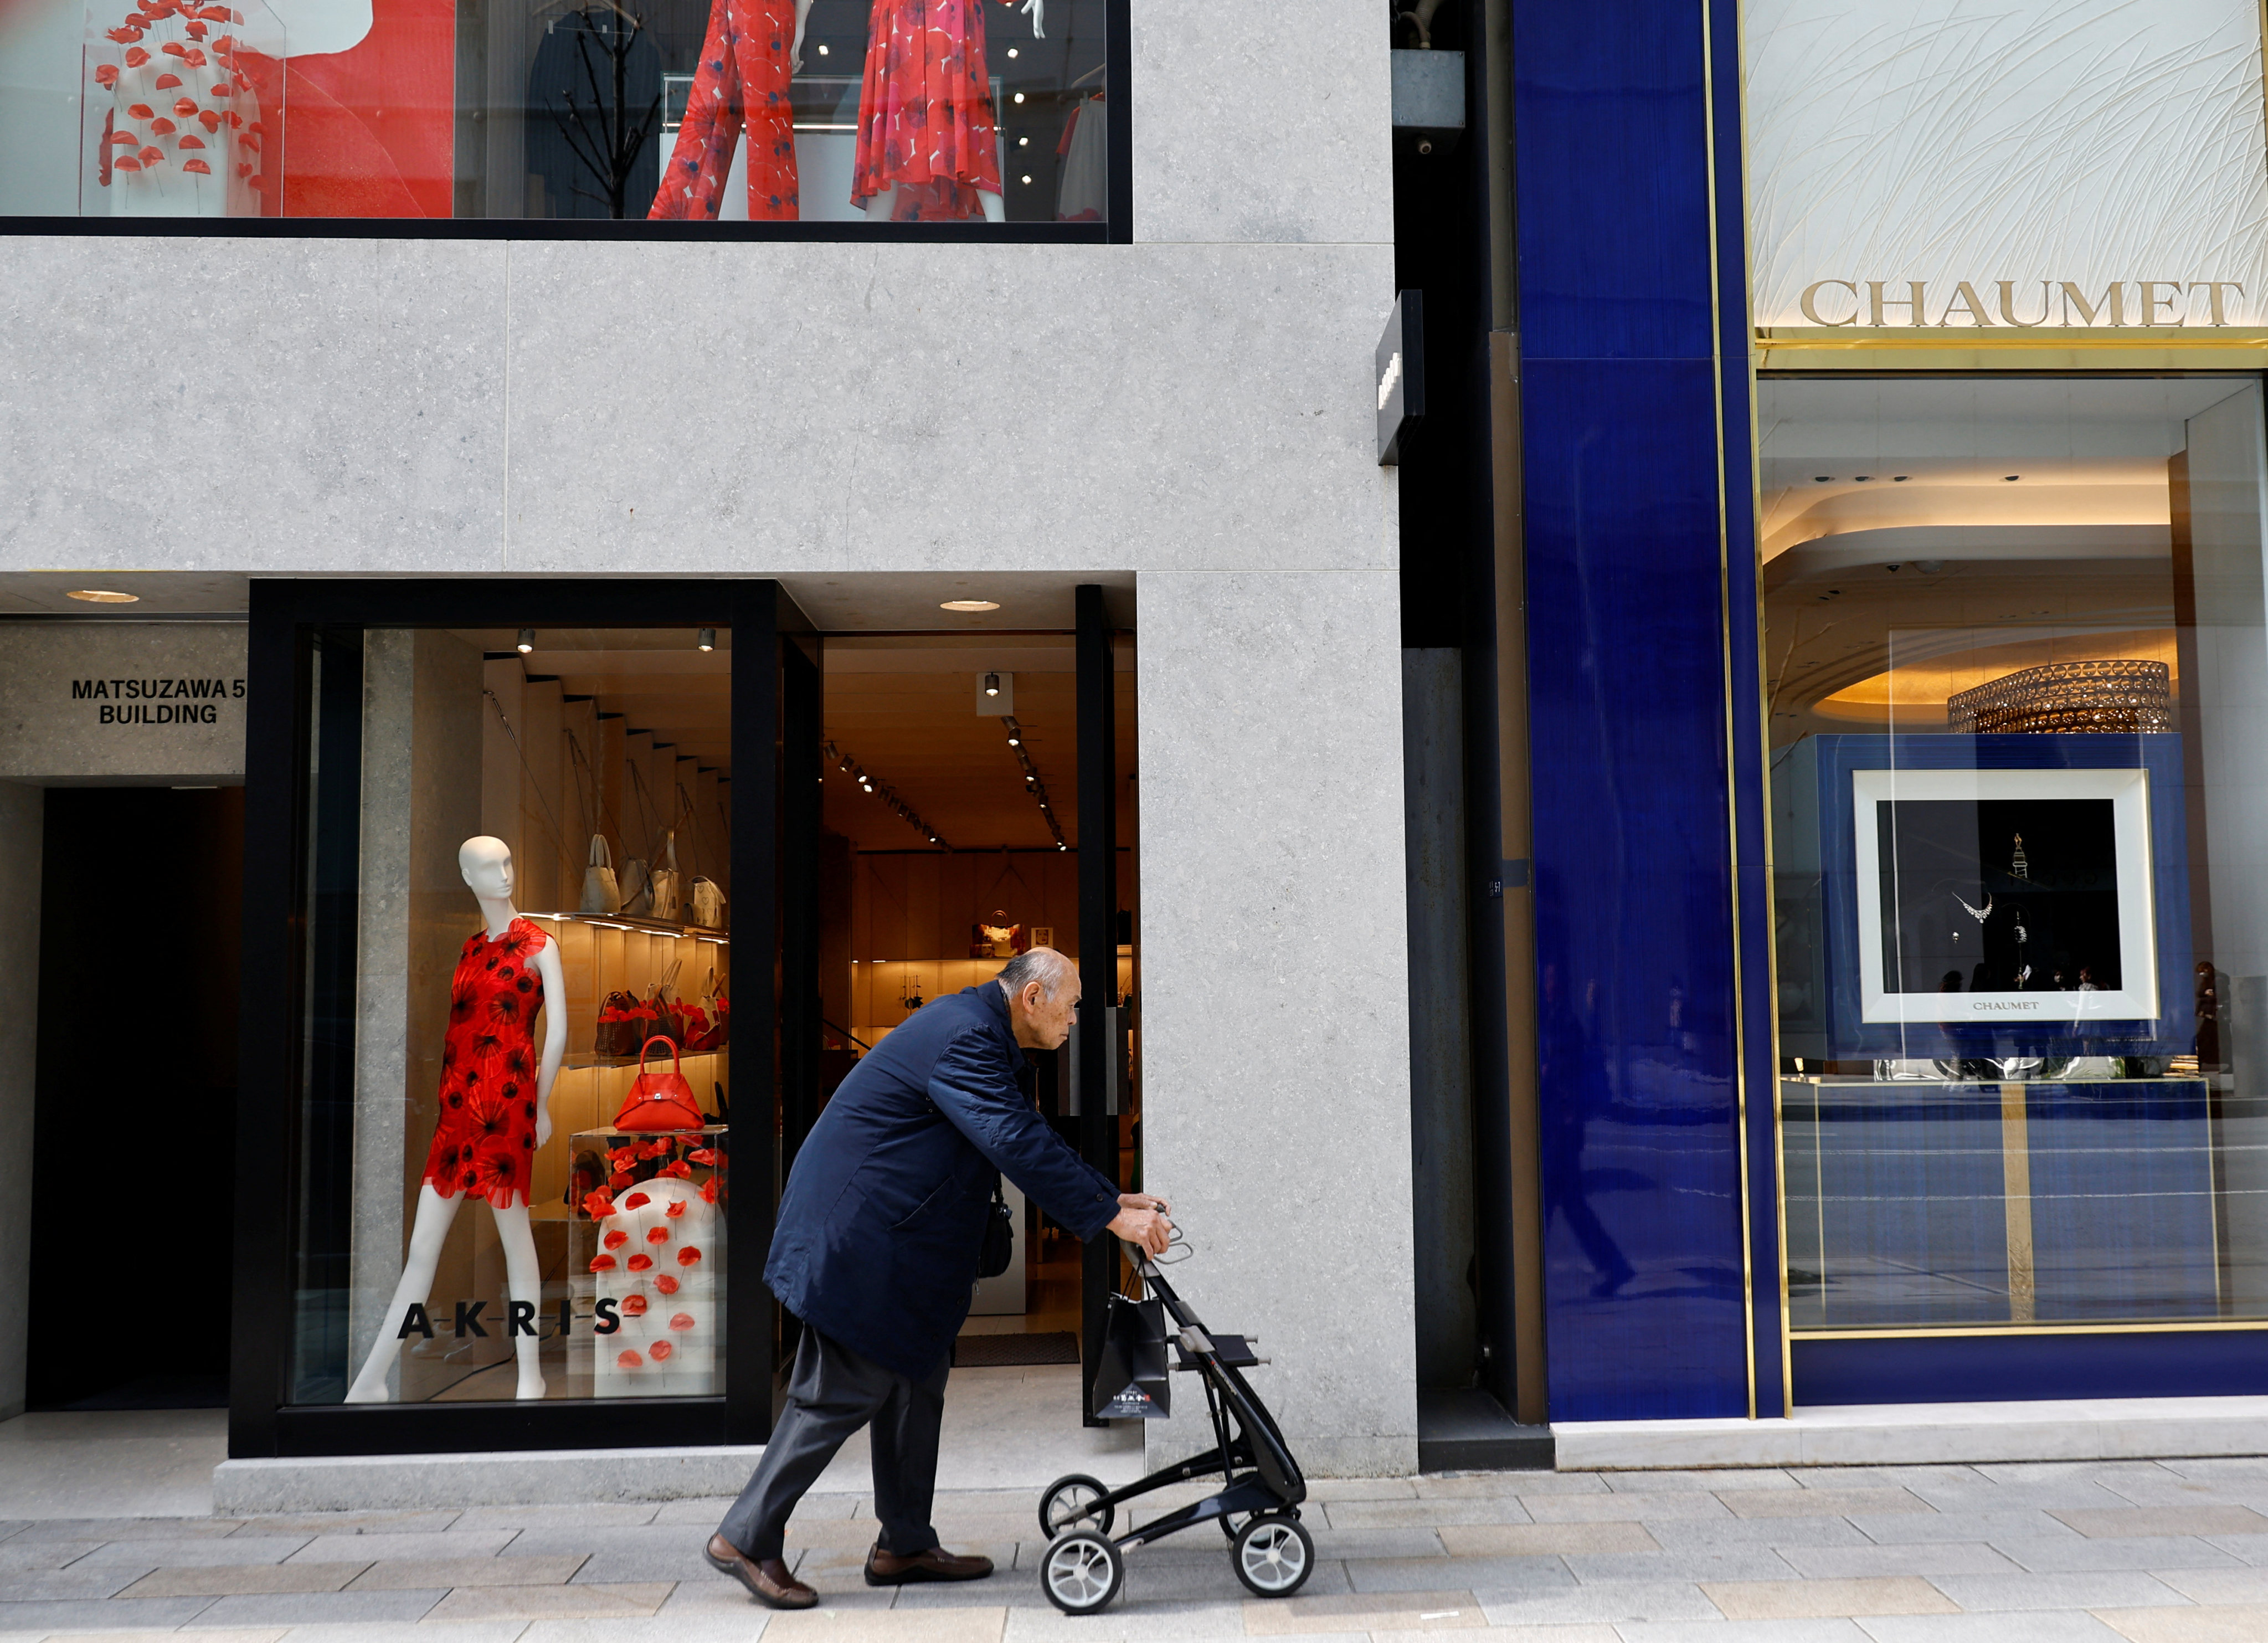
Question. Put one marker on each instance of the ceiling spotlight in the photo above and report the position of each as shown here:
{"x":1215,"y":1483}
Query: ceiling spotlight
{"x":1015,"y":742}
{"x":992,"y":684}
{"x":706,"y":640}
{"x":1062,"y":846}
{"x":1900,"y":479}
{"x":1822,"y":479}
{"x":104,"y":596}
{"x":2013,"y":478}
{"x":970,"y":604}
{"x":526,"y":640}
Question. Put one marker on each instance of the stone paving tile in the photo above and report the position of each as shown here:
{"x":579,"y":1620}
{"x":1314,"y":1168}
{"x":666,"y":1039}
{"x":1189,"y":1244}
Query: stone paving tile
{"x":1526,"y":1483}
{"x":375,"y":1548}
{"x":1883,"y":1477}
{"x":1815,"y":1600}
{"x":2072,"y":1625}
{"x":413,"y":1574}
{"x":614,"y":1568}
{"x":43,"y":1554}
{"x":1609,"y":1601}
{"x":1633,"y":1507}
{"x":560,"y":1540}
{"x":1710,"y":1534}
{"x":549,"y":1602}
{"x":1003,"y":1554}
{"x":1925,"y":1557}
{"x":217,"y":1634}
{"x":1443,"y":1610}
{"x":1372,"y":1543}
{"x":2252,"y":1548}
{"x":23,"y":1586}
{"x":1710,"y":1481}
{"x":1833,"y":1630}
{"x":2127,"y":1521}
{"x":1429,"y":1514}
{"x":1895,"y":1528}
{"x":1153,"y":1622}
{"x":1743,"y":1563}
{"x":2077,"y":1495}
{"x":307,"y":1523}
{"x":2064,"y":1471}
{"x":1577,"y":1633}
{"x":2115,"y":1588}
{"x":2239,"y":1623}
{"x":711,"y":1510}
{"x":960,"y":1625}
{"x":183,"y":1552}
{"x":402,"y":1631}
{"x":589,"y":1516}
{"x":1537,"y":1540}
{"x":309,"y":1608}
{"x":2171,"y":1552}
{"x":1210,"y":1580}
{"x":109,"y":1529}
{"x":1821,"y":1502}
{"x":664,"y":1627}
{"x":1361,"y":1489}
{"x":1484,"y":1575}
{"x":244,"y":1579}
{"x":2218,"y":1586}
{"x":90,"y":1614}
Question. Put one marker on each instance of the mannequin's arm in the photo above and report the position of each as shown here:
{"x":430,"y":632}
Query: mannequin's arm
{"x":1037,"y":9}
{"x":554,"y":1036}
{"x":795,"y":52}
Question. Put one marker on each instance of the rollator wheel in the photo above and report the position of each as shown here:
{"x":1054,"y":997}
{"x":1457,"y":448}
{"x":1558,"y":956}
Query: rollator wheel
{"x":1082,"y":1571}
{"x":1076,"y":1502}
{"x":1274,"y":1556}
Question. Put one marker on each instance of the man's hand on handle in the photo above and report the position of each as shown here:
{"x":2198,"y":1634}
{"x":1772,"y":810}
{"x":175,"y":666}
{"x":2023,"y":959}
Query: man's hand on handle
{"x":1141,"y":1220}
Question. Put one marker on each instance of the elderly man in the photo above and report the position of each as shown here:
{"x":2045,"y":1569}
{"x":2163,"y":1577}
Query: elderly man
{"x":876,"y":1250}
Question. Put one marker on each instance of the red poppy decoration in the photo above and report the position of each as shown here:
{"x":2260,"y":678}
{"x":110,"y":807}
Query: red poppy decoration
{"x":634,"y":1306}
{"x":598,"y":1206}
{"x":682,"y":1170}
{"x":630,"y":1360}
{"x":657,"y":1234}
{"x":666,"y":1284}
{"x":636,"y":1201}
{"x":602,"y":1263}
{"x":676,"y":1208}
{"x":487,"y":1123}
{"x":643,"y":1262}
{"x":702,"y":1155}
{"x":620,"y":1179}
{"x":689,"y":1256}
{"x":660,"y":1351}
{"x":617,"y":1239}
{"x":680,"y":1320}
{"x":708,"y":1190}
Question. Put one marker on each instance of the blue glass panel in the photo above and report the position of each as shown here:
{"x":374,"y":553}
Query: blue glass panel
{"x":2009,"y":1369}
{"x":2122,"y":1200}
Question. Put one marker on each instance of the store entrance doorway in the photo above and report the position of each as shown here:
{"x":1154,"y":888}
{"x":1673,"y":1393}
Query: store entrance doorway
{"x":971,"y":785}
{"x":134,"y":1115}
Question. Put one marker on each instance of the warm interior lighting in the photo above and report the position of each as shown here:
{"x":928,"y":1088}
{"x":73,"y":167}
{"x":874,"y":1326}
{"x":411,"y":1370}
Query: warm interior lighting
{"x":104,"y":596}
{"x":970,"y":604}
{"x":707,"y":639}
{"x":992,"y":684}
{"x":526,"y":640}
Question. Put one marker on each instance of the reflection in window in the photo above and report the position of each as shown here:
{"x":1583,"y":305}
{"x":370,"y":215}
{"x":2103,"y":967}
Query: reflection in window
{"x":776,"y":110}
{"x":2016,"y":666}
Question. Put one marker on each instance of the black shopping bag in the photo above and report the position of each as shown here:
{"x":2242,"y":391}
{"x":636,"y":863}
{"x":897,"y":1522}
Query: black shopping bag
{"x":1129,"y":1374}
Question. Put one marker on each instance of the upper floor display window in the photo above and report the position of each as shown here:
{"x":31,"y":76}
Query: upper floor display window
{"x":865,"y":112}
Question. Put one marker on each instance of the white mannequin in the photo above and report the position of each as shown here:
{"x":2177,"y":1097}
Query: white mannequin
{"x":486,"y":864}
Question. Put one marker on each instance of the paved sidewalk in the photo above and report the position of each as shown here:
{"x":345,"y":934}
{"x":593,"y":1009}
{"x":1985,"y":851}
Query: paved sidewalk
{"x":2152,"y":1552}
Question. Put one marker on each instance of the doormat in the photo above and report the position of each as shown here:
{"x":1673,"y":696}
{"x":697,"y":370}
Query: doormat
{"x":1007,"y":1351}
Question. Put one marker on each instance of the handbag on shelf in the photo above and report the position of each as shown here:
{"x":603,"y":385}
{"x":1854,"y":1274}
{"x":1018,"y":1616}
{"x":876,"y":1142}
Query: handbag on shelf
{"x":716,"y":1017}
{"x":665,"y":880}
{"x":600,"y":893}
{"x":708,"y":904}
{"x":659,"y":1101}
{"x":624,"y":1023}
{"x":637,"y":889}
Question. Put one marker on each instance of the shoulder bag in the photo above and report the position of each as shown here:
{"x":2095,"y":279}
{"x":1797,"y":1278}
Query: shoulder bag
{"x":600,"y":893}
{"x":659,"y":1101}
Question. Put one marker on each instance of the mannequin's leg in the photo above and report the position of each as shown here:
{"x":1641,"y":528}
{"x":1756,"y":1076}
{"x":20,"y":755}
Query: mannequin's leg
{"x":523,"y":1279}
{"x":879,"y":208}
{"x":427,"y":1234}
{"x":995,"y":210}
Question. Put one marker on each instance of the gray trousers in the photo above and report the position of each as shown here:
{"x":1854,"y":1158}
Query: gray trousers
{"x":833,"y":1392}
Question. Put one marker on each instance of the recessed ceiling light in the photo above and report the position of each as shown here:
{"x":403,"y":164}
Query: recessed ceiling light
{"x":2012,"y":478}
{"x":970,"y":604}
{"x":1900,"y":479}
{"x":526,"y":640}
{"x":104,"y":596}
{"x":1822,"y":479}
{"x":1862,"y":478}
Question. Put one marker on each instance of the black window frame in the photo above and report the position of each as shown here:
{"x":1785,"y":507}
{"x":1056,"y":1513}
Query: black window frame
{"x":770,"y":738}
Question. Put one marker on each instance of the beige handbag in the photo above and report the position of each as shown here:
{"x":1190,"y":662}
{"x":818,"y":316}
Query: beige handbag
{"x":708,"y":904}
{"x":665,"y":880}
{"x":600,"y":893}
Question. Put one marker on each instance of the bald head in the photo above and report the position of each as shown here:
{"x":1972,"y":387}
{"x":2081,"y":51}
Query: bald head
{"x":1042,"y":991}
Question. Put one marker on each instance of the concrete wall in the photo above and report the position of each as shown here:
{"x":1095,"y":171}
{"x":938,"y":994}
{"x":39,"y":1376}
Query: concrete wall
{"x":156,"y":670}
{"x":1196,"y":408}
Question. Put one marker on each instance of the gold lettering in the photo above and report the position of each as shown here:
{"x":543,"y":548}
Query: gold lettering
{"x":2114,"y":299}
{"x":1965,"y":297}
{"x":2008,"y":306}
{"x":1876,"y":302}
{"x":2214,"y":288}
{"x":2152,"y":302}
{"x":1809,"y":301}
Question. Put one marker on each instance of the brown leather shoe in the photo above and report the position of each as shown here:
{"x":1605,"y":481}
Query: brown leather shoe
{"x":887,"y":1568}
{"x":767,"y":1581}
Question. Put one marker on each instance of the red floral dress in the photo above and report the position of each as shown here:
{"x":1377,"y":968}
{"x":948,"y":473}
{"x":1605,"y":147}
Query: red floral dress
{"x":925,"y":124}
{"x":742,"y":81}
{"x":486,"y":1141}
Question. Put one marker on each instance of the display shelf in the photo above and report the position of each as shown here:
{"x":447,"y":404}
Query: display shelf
{"x":651,"y":926}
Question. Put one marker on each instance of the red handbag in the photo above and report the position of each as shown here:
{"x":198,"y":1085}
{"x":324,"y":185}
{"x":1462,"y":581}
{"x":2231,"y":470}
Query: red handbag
{"x":659,"y":1101}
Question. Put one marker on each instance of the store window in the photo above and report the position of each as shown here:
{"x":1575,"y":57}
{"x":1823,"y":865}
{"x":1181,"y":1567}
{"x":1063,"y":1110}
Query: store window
{"x":515,"y":1140}
{"x":813,"y":111}
{"x":2017,"y":687}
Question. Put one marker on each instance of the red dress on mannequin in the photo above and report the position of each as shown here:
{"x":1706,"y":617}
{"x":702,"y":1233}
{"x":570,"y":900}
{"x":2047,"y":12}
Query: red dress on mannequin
{"x":486,"y":1139}
{"x":925,"y":121}
{"x":741,"y":81}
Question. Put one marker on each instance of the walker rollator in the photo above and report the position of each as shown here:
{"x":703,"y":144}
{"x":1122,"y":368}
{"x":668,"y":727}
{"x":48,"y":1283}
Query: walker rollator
{"x":1257,"y":1506}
